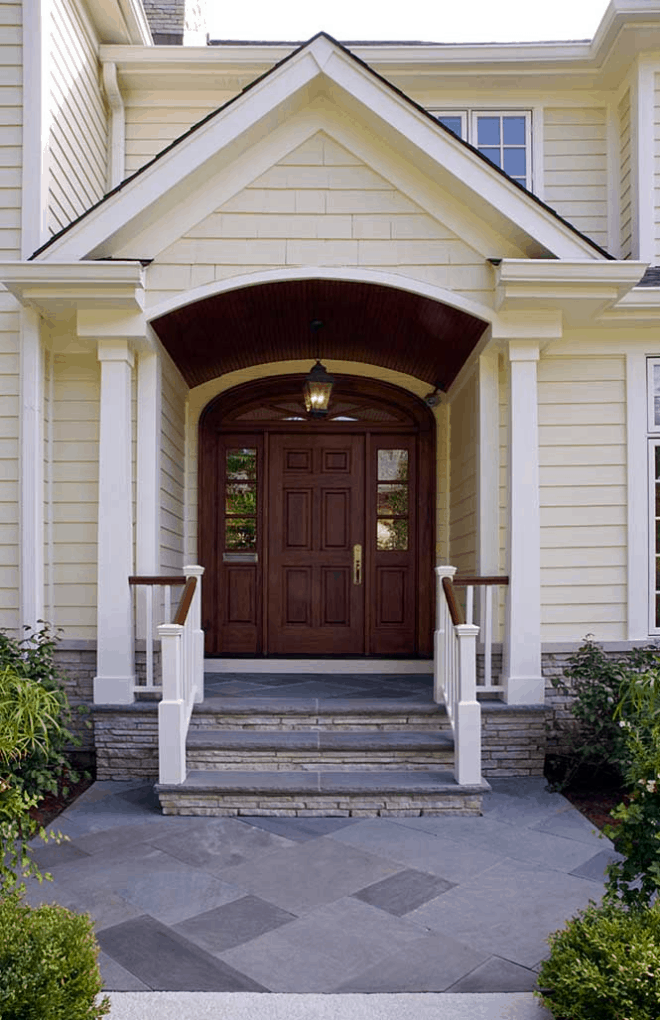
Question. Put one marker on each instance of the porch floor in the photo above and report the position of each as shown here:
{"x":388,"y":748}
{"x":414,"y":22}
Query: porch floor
{"x":417,"y":687}
{"x":301,"y":905}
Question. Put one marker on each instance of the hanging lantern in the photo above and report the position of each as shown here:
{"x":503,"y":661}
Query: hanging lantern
{"x":316,"y":391}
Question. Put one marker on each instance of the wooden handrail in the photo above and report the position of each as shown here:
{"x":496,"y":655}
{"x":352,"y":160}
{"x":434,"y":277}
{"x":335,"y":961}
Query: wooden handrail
{"x":186,"y":601}
{"x":455,"y":610}
{"x":480,"y":580}
{"x":164,"y":580}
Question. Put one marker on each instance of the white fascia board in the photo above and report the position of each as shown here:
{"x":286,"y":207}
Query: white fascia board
{"x":619,"y":273}
{"x":640,"y":305}
{"x":50,"y":284}
{"x":190,"y":162}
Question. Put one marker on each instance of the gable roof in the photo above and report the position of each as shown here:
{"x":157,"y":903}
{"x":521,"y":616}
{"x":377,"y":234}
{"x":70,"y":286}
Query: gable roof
{"x":516,"y":208}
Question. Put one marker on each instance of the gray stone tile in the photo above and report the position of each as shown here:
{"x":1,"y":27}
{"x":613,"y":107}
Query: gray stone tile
{"x":430,"y":964}
{"x":404,"y":892}
{"x":300,"y":830}
{"x":158,"y":884}
{"x":511,"y":907}
{"x":309,"y":874}
{"x":573,"y":825}
{"x":218,"y":843}
{"x":519,"y":842}
{"x":497,"y":975}
{"x":164,"y":961}
{"x":50,"y":854}
{"x":325,"y":947}
{"x":594,"y":869}
{"x":524,"y":800}
{"x":233,"y":924}
{"x":447,"y":858}
{"x":105,"y":907}
{"x":120,"y":837}
{"x":116,"y":978}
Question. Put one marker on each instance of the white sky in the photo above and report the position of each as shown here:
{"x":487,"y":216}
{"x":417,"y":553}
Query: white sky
{"x":438,"y":21}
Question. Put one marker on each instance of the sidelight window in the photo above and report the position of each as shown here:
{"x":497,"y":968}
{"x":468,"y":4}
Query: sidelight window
{"x":241,"y":499}
{"x":392,"y":501}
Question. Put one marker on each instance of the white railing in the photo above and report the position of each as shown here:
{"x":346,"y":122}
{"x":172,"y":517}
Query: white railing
{"x":488,"y":617}
{"x":455,"y":678}
{"x":182,"y":665}
{"x":145,"y":589}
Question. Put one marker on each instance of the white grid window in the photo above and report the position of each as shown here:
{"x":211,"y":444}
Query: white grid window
{"x":654,"y":530}
{"x":653,"y":368}
{"x":503,"y":136}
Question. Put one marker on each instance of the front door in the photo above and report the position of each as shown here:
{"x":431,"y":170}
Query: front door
{"x":316,"y":536}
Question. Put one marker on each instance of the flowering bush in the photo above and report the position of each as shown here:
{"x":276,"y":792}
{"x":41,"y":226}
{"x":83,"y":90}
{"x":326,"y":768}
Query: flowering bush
{"x":636,"y":879}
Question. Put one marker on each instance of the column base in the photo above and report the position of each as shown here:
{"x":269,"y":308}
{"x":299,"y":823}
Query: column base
{"x":114,"y":690}
{"x":524,"y":690}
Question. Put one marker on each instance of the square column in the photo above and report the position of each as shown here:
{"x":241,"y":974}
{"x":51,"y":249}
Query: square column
{"x":115,"y":677}
{"x":522,"y":677}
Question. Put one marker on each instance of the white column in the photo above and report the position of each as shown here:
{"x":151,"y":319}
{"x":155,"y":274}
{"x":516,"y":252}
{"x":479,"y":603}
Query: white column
{"x":522,"y":646}
{"x":31,"y":472}
{"x":148,"y":474}
{"x":115,"y":677}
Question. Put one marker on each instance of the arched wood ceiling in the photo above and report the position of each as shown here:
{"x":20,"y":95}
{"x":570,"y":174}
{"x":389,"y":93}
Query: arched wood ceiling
{"x":361,"y":322}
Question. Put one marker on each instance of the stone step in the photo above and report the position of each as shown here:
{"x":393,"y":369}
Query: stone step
{"x":330,"y":794}
{"x":283,"y":714}
{"x":334,"y":750}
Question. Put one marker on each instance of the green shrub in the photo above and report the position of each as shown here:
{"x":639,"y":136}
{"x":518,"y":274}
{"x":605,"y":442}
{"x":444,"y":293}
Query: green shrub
{"x":636,"y":879}
{"x":604,"y":964}
{"x":45,"y":767}
{"x":595,"y":744}
{"x":48,"y":964}
{"x":27,"y":718}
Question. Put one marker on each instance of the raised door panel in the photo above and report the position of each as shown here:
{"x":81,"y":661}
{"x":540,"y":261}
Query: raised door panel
{"x":316,"y":515}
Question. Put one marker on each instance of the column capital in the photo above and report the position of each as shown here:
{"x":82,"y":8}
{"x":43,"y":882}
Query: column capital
{"x":115,"y":350}
{"x":106,"y":323}
{"x":445,"y":571}
{"x":524,"y":350}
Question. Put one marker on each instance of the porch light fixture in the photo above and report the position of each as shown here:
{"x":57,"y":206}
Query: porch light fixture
{"x":316,"y":391}
{"x":318,"y":383}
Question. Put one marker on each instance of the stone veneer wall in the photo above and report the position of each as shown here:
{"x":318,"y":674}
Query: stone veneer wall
{"x":513,"y":740}
{"x":171,"y":21}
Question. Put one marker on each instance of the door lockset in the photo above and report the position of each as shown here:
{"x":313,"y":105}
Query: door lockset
{"x":357,"y":564}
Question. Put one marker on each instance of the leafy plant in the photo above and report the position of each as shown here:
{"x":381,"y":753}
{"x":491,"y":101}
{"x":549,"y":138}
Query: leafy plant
{"x":48,"y":964}
{"x":605,"y":963}
{"x":27,"y":718}
{"x":595,"y":742}
{"x":46,"y":766}
{"x":635,"y":880}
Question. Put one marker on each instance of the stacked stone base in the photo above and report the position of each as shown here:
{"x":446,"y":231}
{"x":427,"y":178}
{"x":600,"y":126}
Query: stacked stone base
{"x":189,"y":799}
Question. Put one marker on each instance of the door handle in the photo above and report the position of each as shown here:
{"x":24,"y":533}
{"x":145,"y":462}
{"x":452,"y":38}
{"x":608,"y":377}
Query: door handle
{"x":357,"y":564}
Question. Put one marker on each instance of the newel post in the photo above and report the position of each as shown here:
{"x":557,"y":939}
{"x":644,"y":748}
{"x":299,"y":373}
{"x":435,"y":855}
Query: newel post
{"x":172,"y":711}
{"x":197,"y":632}
{"x":467,"y":733}
{"x":440,"y":635}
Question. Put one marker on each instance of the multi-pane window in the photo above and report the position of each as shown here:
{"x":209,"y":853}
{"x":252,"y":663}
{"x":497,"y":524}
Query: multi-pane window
{"x":653,"y":368}
{"x":503,"y":137}
{"x":241,"y":499}
{"x":392,"y":504}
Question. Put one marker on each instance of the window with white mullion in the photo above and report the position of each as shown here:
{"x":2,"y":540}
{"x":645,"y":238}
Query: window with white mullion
{"x":504,"y":137}
{"x":654,"y":529}
{"x":455,"y":120}
{"x":653,"y":390}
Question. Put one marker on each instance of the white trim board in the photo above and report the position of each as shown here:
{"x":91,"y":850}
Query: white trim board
{"x":374,"y":666}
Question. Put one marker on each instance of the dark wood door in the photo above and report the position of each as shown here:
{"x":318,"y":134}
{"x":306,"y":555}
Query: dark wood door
{"x":316,"y":535}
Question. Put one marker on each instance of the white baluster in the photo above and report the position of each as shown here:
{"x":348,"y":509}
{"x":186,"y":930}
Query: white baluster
{"x":487,"y":631}
{"x":149,"y":632}
{"x":469,"y":604}
{"x":167,"y":610}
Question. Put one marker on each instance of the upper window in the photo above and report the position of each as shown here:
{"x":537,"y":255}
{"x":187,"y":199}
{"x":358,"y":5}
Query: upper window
{"x":504,"y":137}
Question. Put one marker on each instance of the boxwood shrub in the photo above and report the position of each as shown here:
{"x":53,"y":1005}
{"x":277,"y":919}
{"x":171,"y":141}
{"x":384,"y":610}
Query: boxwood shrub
{"x":48,"y":964}
{"x":604,"y":964}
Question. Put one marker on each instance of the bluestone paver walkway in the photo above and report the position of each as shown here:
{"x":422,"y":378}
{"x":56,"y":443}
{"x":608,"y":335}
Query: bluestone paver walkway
{"x":304,"y":906}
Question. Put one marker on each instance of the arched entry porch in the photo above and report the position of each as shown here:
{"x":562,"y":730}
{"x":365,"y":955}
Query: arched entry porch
{"x":287,"y":588}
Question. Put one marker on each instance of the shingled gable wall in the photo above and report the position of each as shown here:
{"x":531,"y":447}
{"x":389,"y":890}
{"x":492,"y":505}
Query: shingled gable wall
{"x":177,"y":22}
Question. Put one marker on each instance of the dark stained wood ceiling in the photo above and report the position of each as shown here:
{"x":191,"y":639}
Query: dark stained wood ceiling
{"x":361,"y":322}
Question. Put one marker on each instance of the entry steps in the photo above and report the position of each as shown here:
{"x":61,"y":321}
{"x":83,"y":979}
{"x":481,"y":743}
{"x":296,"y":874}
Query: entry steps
{"x":335,"y":756}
